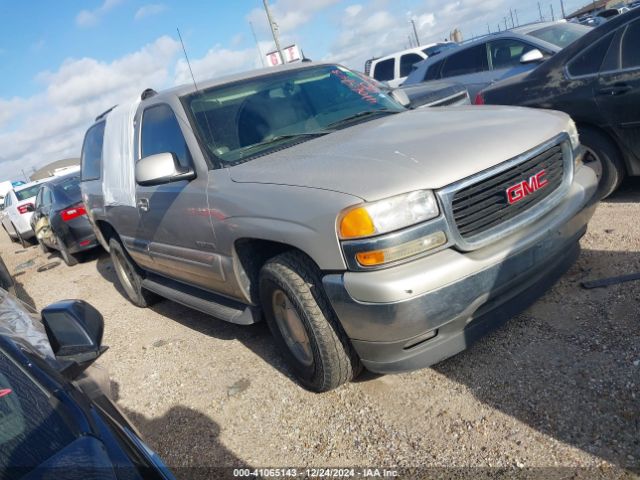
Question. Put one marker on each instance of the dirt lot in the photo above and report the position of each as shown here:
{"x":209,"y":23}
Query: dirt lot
{"x":558,"y":386}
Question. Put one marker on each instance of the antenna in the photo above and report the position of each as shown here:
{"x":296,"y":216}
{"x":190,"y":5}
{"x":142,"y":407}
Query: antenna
{"x":187,"y":58}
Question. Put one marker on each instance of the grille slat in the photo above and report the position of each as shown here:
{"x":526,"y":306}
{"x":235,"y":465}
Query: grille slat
{"x":484,"y":205}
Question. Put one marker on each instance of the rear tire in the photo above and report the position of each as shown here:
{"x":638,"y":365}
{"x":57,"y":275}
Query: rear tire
{"x":67,"y":257}
{"x":21,"y":240}
{"x":601,"y":149}
{"x":130,"y":276}
{"x":305,"y":328}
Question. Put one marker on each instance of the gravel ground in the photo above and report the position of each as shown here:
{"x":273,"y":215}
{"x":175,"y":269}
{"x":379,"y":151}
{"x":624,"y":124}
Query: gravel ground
{"x":554,"y":393}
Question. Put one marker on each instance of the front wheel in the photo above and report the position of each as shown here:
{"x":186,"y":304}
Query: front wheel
{"x":21,"y":241}
{"x":603,"y":156}
{"x":130,"y":276}
{"x":303,"y":324}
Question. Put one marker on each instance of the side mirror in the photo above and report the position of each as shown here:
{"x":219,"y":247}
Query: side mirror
{"x":401,"y":97}
{"x":531,"y":56}
{"x":161,"y":168}
{"x":74,"y":329}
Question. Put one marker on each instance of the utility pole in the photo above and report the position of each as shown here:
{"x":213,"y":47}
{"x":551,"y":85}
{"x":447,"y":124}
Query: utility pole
{"x":257,"y":44}
{"x":26,"y":179}
{"x":410,"y":41}
{"x":517,"y":19}
{"x":513,"y":25}
{"x":540,"y":10}
{"x":553,"y":17}
{"x":564,"y":15}
{"x":274,"y":30}
{"x":488,"y":29}
{"x":415,"y":32}
{"x":505,"y":23}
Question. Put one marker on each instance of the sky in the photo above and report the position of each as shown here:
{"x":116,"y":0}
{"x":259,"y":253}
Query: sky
{"x":62,"y":63}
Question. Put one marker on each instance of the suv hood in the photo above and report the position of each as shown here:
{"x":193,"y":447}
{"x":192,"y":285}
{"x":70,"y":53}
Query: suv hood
{"x":420,"y":149}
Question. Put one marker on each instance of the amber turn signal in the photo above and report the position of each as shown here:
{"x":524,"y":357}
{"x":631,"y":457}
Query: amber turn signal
{"x":356,"y":223}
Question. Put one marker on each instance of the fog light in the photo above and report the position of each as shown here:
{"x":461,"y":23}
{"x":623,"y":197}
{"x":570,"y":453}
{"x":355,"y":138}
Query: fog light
{"x":400,"y":252}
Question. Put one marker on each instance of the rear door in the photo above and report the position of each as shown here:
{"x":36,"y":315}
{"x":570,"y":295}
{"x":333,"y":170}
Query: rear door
{"x":173,"y":217}
{"x":618,"y":89}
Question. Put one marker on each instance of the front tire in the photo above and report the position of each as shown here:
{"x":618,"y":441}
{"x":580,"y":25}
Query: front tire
{"x":607,"y":160}
{"x":130,"y":276}
{"x":21,"y":240}
{"x":304,"y":326}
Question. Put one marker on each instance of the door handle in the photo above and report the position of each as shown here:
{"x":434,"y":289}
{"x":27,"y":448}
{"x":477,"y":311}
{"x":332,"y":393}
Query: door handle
{"x":143,"y":204}
{"x":615,"y":90}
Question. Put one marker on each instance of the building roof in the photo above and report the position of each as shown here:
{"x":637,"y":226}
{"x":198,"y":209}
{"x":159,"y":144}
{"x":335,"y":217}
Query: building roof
{"x":47,"y":170}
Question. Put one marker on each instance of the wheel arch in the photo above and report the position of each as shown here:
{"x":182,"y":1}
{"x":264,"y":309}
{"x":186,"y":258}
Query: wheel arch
{"x":626,"y":161}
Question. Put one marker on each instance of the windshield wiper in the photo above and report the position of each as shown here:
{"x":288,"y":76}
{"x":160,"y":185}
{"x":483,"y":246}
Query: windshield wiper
{"x":278,"y":138}
{"x":360,"y":115}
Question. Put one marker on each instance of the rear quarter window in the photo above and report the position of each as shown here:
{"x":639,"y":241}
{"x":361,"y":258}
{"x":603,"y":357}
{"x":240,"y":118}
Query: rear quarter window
{"x":91,"y":159}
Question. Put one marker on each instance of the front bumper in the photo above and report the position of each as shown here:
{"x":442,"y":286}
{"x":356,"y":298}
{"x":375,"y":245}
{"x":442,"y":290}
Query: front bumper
{"x":417,"y":314}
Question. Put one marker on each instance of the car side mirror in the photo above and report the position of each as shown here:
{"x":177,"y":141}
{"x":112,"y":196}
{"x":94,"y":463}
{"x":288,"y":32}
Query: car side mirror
{"x":161,"y":168}
{"x":75,"y":330}
{"x":400,"y":96}
{"x":531,"y":56}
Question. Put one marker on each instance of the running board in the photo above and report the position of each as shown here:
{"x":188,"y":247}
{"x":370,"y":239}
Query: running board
{"x":206,"y":302}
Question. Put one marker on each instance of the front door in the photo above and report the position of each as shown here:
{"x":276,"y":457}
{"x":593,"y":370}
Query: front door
{"x":173,"y":224}
{"x":618,"y":88}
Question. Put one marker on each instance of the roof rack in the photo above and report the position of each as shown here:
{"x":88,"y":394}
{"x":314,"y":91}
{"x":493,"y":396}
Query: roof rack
{"x":148,"y":93}
{"x":104,"y":114}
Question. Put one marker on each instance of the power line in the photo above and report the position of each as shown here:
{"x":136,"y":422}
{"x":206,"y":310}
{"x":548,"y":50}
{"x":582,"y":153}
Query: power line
{"x":257,"y":44}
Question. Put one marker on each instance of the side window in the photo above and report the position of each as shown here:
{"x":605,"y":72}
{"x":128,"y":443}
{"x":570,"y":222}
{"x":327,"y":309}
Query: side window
{"x":39,"y":197}
{"x":433,"y":72}
{"x":161,"y":133}
{"x":470,"y":60}
{"x":588,"y":61}
{"x":47,"y":197}
{"x":630,"y":53}
{"x":32,"y":429}
{"x":91,"y":161}
{"x":506,"y":53}
{"x":407,"y":61}
{"x":384,"y":70}
{"x":7,"y":200}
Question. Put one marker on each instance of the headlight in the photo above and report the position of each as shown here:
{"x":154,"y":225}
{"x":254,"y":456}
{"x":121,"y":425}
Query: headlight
{"x":573,"y":134}
{"x":387,"y":215}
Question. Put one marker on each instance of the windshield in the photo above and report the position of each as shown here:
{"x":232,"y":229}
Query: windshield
{"x":250,"y":118}
{"x":27,"y":192}
{"x":561,"y":34}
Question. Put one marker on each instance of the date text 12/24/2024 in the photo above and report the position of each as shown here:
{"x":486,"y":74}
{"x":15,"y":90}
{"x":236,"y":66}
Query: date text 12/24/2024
{"x":315,"y":472}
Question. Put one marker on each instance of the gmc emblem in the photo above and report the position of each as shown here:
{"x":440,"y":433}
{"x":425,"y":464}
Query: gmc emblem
{"x":520,"y":190}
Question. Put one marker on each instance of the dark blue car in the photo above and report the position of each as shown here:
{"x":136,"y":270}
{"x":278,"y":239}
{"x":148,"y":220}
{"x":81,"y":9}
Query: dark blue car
{"x":56,"y":418}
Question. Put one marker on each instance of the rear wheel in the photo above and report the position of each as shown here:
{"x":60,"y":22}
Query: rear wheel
{"x":43,"y":247}
{"x":130,"y":276}
{"x":68,"y":258}
{"x":21,"y":240}
{"x":603,"y":156}
{"x":305,"y":328}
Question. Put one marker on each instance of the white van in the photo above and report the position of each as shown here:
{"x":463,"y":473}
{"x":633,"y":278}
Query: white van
{"x":395,"y":67}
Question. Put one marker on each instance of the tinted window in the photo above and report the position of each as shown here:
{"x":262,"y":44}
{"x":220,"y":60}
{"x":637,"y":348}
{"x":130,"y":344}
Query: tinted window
{"x":407,"y":61}
{"x":506,"y":53}
{"x":47,"y":197}
{"x":161,"y":133}
{"x":91,"y":162}
{"x":588,"y":62}
{"x":384,"y":70}
{"x":631,"y":46}
{"x":433,"y":72}
{"x":561,"y":34}
{"x":7,"y":200}
{"x":31,"y":428}
{"x":470,"y":60}
{"x":27,"y":192}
